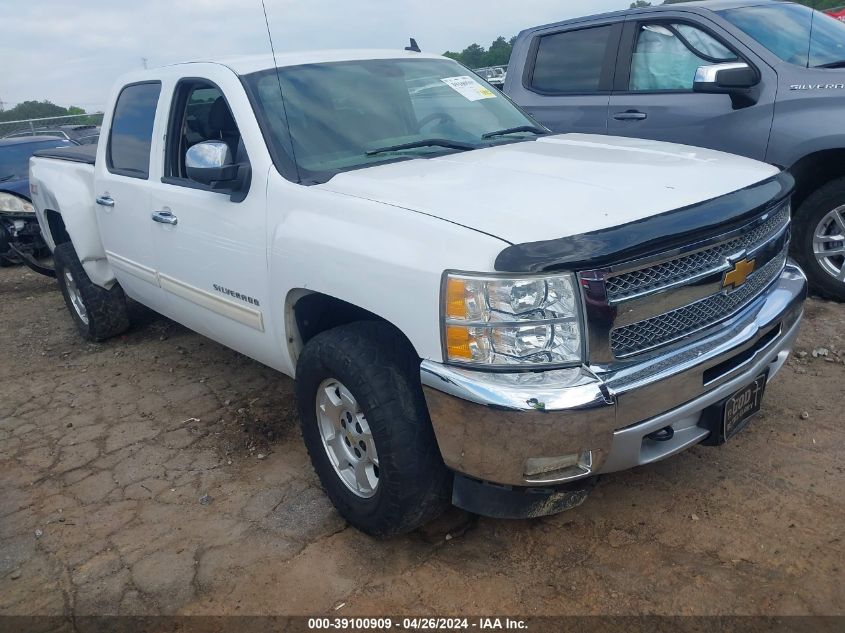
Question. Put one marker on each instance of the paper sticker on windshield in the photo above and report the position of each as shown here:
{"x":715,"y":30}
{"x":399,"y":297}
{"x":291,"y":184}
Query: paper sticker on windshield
{"x":468,"y":87}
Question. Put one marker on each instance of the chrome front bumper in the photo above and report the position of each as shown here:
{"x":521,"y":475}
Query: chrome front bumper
{"x":548,"y":428}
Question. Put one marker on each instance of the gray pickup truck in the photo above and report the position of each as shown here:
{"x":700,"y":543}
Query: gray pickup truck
{"x":759,"y":78}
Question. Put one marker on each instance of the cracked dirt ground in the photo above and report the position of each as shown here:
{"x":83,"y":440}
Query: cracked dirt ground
{"x":107,"y":449}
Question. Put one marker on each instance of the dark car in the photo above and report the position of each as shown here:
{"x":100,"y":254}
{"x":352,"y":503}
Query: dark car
{"x":81,"y":134}
{"x":20,"y":236}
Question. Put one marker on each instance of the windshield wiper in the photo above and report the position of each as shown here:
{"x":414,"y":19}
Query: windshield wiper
{"x":837,"y":64}
{"x":428,"y":142}
{"x":5,"y":178}
{"x":536,"y":129}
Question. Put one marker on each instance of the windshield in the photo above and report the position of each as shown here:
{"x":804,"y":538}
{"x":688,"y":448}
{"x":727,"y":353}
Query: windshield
{"x":14,"y":159}
{"x":347,"y":115}
{"x":795,"y":33}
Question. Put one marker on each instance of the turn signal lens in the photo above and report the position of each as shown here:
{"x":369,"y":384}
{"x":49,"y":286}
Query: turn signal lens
{"x":456,"y":298}
{"x":468,"y":344}
{"x":457,"y":342}
{"x":465,"y":299}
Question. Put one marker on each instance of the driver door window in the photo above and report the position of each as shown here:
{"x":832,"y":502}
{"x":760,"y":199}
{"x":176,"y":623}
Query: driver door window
{"x":666,"y":56}
{"x":200,"y":113}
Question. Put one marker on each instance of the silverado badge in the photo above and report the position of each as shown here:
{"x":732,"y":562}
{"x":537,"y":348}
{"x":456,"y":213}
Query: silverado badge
{"x":737,"y":275}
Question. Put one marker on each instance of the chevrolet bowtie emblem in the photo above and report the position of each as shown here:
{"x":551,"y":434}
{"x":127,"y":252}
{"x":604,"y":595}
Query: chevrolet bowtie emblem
{"x":735,"y":277}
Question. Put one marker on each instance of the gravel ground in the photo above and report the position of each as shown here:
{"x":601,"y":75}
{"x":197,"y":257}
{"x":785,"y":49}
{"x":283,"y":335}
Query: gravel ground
{"x":160,"y":473}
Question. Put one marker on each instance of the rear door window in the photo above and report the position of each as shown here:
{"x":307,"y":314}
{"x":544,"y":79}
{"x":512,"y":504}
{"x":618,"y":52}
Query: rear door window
{"x":132,"y":130}
{"x":572,"y":62}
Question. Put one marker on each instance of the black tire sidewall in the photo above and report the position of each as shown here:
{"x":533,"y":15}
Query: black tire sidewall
{"x":64,"y":258}
{"x":810,"y":213}
{"x":414,"y":484}
{"x":108,"y":314}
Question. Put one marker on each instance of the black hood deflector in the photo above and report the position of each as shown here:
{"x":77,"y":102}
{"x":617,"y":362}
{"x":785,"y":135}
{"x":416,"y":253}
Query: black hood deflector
{"x":648,"y":236}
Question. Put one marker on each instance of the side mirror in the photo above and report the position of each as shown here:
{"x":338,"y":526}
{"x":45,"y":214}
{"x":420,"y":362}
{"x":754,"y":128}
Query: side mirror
{"x":737,"y":79}
{"x":210,"y":162}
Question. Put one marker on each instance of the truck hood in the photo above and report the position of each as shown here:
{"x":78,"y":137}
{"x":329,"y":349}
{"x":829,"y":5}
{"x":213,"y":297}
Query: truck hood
{"x":556,"y":186}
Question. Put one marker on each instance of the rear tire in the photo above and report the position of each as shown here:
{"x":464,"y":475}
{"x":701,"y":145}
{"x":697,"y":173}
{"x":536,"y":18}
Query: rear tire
{"x":821,"y":216}
{"x":371,"y":376}
{"x":98,"y":313}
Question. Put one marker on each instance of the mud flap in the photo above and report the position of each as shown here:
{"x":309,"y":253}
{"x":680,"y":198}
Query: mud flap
{"x":512,"y":502}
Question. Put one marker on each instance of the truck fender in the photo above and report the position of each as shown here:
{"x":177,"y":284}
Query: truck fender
{"x":77,"y":214}
{"x":366,"y":255}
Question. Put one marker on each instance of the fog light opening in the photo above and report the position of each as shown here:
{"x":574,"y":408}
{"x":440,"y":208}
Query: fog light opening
{"x":559,"y":468}
{"x":662,"y":435}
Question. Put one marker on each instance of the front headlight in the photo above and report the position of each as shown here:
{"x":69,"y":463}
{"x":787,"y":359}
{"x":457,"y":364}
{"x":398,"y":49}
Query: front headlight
{"x":11,"y":203}
{"x":526,"y":322}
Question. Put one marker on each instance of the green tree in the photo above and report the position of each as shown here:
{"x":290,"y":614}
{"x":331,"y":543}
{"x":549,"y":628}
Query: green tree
{"x":32,"y":110}
{"x":639,"y":4}
{"x":499,"y":52}
{"x":39,"y":110}
{"x":476,"y":56}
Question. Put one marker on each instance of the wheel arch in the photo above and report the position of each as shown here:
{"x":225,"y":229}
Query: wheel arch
{"x":308,"y":313}
{"x":56,"y":227}
{"x":815,"y":170}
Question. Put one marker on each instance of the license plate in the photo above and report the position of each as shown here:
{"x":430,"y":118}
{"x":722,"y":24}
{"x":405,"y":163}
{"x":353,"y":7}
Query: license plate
{"x":741,"y":406}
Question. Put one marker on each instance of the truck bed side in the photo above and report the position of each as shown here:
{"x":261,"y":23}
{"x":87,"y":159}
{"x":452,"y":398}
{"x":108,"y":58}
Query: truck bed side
{"x":62,"y":182}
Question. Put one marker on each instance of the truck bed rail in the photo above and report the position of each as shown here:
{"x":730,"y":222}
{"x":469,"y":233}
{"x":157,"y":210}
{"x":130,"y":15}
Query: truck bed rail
{"x":81,"y":154}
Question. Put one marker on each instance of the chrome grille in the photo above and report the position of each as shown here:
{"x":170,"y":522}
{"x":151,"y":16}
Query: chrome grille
{"x":682,"y":269}
{"x":668,"y":327}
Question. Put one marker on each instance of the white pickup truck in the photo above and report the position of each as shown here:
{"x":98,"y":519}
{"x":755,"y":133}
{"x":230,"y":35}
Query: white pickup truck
{"x":610,"y":302}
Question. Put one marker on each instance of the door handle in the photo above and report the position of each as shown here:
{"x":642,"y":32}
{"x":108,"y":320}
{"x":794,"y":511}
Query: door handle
{"x":630,"y":115}
{"x":164,"y":217}
{"x":105,"y":201}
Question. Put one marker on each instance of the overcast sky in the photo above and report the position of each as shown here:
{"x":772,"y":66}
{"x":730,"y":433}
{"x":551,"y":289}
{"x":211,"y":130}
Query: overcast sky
{"x":72,"y":52}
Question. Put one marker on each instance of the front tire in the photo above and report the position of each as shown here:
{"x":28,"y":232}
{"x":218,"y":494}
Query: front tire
{"x":98,"y":313}
{"x":367,"y":430}
{"x":819,"y":239}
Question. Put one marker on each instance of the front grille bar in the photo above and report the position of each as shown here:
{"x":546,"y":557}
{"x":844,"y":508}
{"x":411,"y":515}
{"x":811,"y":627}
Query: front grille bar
{"x":671,"y":326}
{"x":681,"y":270}
{"x":638,"y":306}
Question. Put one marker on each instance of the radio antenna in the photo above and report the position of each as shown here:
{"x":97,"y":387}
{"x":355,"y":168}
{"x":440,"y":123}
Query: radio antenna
{"x":281,"y":93}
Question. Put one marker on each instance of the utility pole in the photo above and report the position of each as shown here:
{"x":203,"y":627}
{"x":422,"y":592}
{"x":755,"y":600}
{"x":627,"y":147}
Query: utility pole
{"x":2,"y":106}
{"x":144,"y":62}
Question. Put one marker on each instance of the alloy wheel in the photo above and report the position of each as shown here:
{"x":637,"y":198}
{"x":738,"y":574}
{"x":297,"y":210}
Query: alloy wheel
{"x":347,"y":438}
{"x":75,"y":297}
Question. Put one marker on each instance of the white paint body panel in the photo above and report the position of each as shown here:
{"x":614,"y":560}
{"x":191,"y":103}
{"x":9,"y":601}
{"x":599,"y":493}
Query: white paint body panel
{"x":379,"y":238}
{"x":555,"y":186}
{"x":68,"y":188}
